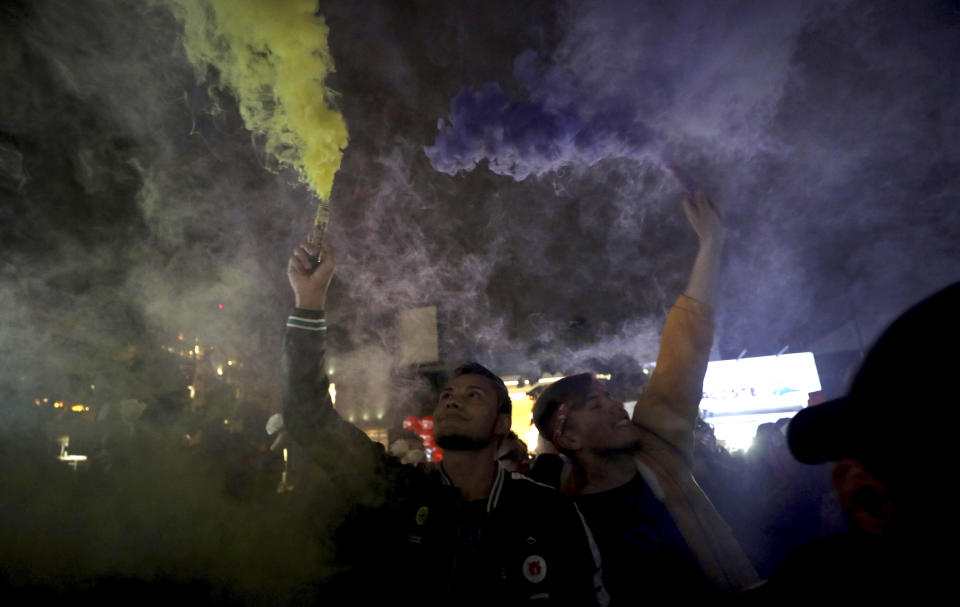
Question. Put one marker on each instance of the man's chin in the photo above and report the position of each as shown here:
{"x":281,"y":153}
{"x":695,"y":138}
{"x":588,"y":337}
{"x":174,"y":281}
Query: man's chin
{"x":460,"y":442}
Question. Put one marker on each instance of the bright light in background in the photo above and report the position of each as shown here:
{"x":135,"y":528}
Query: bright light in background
{"x":522,"y":413}
{"x":739,"y":395}
{"x":333,"y":392}
{"x":530,"y":437}
{"x":220,"y":370}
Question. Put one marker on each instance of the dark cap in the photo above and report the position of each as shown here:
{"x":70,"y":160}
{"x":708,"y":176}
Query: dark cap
{"x":900,"y":403}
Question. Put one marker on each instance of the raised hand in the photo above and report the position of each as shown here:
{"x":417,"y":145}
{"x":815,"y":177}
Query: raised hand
{"x":704,"y":217}
{"x":308,"y":279}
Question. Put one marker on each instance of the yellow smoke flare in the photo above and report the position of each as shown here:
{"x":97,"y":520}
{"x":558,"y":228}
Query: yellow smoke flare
{"x":273,"y":56}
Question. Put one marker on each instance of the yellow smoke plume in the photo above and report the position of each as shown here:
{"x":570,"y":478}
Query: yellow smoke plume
{"x":273,"y":56}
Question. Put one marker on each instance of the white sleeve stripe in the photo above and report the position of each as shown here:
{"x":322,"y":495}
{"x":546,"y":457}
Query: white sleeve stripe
{"x":296,"y":326}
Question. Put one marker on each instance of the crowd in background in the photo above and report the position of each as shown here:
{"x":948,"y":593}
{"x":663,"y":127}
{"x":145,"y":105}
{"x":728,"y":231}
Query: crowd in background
{"x":772,"y":502}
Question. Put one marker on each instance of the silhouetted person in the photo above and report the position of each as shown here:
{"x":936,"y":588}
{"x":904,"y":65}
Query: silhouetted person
{"x":893,"y":443}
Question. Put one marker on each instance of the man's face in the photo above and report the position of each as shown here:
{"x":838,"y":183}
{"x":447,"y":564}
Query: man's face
{"x":466,"y":416}
{"x":601,"y":424}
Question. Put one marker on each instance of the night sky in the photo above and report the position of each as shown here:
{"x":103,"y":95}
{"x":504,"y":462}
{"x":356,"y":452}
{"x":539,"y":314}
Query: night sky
{"x":507,"y":162}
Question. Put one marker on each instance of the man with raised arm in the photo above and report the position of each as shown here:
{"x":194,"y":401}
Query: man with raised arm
{"x":469,"y":533}
{"x":659,"y":536}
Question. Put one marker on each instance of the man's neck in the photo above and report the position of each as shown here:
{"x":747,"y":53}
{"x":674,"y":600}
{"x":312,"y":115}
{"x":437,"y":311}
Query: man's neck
{"x":472,"y":472}
{"x":605,"y":471}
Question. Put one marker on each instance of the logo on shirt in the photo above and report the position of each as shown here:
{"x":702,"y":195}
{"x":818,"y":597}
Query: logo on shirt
{"x":422,"y":513}
{"x":534,"y":568}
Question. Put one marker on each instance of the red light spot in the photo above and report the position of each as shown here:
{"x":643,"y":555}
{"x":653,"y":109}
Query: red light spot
{"x":220,"y":306}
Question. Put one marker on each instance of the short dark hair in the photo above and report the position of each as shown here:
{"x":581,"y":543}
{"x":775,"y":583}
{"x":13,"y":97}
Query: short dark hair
{"x":504,"y":404}
{"x":573,"y":388}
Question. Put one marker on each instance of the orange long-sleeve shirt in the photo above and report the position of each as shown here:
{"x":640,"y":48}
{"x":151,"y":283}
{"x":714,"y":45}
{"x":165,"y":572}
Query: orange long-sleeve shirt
{"x":667,"y":413}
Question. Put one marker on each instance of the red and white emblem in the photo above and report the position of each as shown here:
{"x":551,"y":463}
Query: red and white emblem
{"x":534,"y":568}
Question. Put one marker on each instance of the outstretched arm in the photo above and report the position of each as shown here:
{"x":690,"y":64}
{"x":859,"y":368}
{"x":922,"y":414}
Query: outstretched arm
{"x":705,"y":220}
{"x":340,"y":447}
{"x":669,"y":405}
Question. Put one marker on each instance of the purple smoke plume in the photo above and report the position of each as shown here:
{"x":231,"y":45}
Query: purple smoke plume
{"x":551,"y":129}
{"x":629,"y":80}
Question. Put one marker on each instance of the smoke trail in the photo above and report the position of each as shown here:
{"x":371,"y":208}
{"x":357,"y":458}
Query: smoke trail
{"x":628,"y":79}
{"x":273,"y":56}
{"x":129,"y":215}
{"x":533,"y":137}
{"x":820,"y":127}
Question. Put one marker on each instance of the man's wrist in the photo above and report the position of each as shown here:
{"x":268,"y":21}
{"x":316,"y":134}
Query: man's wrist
{"x":310,"y":304}
{"x":712,"y":243}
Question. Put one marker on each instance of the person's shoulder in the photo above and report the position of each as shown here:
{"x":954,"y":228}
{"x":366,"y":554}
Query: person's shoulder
{"x":413,"y":476}
{"x":531,"y":491}
{"x":845,"y":567}
{"x":819,"y":561}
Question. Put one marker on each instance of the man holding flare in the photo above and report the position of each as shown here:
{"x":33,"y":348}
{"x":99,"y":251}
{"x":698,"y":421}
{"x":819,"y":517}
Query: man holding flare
{"x":480,"y":534}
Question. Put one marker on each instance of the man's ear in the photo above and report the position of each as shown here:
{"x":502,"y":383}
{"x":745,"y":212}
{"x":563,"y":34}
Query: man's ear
{"x":568,"y":441}
{"x":866,"y":499}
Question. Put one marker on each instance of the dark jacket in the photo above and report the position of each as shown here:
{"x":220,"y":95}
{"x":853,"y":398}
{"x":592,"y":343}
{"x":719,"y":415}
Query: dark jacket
{"x":409,"y":535}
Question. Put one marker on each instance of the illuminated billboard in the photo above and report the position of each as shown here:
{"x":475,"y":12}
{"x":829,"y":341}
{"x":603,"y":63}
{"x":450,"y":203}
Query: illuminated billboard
{"x":741,"y":394}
